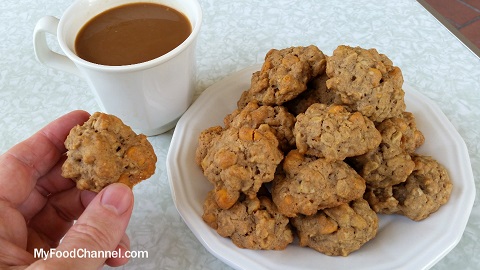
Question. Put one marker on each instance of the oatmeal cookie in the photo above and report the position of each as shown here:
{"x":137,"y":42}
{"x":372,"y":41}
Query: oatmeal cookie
{"x":338,"y":231}
{"x":366,"y":82}
{"x":104,"y":150}
{"x":423,"y":193}
{"x":251,"y":223}
{"x":311,"y":184}
{"x":240,"y":161}
{"x":402,"y":131}
{"x":383,"y":167}
{"x":317,"y":92}
{"x":277,"y":117}
{"x":206,"y":140}
{"x":390,"y":163}
{"x":334,"y":133}
{"x":284,"y":75}
{"x":382,"y":200}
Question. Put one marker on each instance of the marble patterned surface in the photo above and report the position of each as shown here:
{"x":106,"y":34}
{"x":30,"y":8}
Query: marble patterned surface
{"x":237,"y":34}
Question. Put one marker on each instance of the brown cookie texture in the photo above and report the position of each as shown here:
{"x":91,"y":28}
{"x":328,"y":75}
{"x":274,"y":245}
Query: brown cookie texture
{"x":338,"y":231}
{"x":402,"y":132}
{"x":366,"y":82}
{"x":284,"y":75}
{"x":277,"y":117}
{"x":383,"y":167}
{"x":317,"y":92}
{"x":251,"y":223}
{"x":381,"y":200}
{"x":390,"y":163}
{"x":206,"y":140}
{"x":332,"y":132}
{"x":310,"y":184}
{"x":426,"y":189}
{"x":240,"y":161}
{"x":423,"y":193}
{"x":104,"y":150}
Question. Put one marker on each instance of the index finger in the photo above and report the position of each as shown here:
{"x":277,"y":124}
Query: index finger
{"x":26,"y":162}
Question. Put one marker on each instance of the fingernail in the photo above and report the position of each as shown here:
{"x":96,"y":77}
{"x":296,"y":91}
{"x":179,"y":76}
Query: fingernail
{"x":117,"y":198}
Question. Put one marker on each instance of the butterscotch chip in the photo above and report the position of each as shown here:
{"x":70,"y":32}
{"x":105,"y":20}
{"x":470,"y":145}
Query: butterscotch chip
{"x":277,"y":117}
{"x":423,"y":193}
{"x":240,"y":161}
{"x":251,"y":223}
{"x":338,"y":231}
{"x":334,"y":133}
{"x":390,"y":163}
{"x":311,"y":184}
{"x":104,"y":150}
{"x":284,"y":75}
{"x":366,"y":82}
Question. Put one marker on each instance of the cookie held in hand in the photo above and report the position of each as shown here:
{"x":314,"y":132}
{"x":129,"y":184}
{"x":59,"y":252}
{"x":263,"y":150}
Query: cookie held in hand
{"x":104,"y":151}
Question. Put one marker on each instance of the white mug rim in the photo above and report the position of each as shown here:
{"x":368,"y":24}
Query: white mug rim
{"x":132,"y":67}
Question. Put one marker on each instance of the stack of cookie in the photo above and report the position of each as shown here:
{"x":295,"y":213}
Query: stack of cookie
{"x":316,"y":148}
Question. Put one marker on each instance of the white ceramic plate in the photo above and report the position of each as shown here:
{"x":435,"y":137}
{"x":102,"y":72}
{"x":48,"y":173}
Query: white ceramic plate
{"x":400,"y":242}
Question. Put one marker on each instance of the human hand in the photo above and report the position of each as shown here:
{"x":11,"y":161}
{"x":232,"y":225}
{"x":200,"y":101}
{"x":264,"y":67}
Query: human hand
{"x":38,"y":206}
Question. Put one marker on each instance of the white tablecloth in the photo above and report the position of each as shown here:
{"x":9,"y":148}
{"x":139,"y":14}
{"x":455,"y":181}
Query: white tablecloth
{"x":237,"y":34}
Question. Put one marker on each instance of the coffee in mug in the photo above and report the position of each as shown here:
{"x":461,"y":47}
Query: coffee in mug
{"x":132,"y":34}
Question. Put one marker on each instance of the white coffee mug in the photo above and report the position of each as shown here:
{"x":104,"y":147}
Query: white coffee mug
{"x":150,"y":96}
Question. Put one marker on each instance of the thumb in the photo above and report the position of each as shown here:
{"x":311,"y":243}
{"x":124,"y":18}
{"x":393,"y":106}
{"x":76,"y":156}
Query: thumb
{"x":100,"y":228}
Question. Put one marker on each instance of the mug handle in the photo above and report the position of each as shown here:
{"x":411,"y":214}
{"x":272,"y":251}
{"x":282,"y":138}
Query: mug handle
{"x":44,"y":54}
